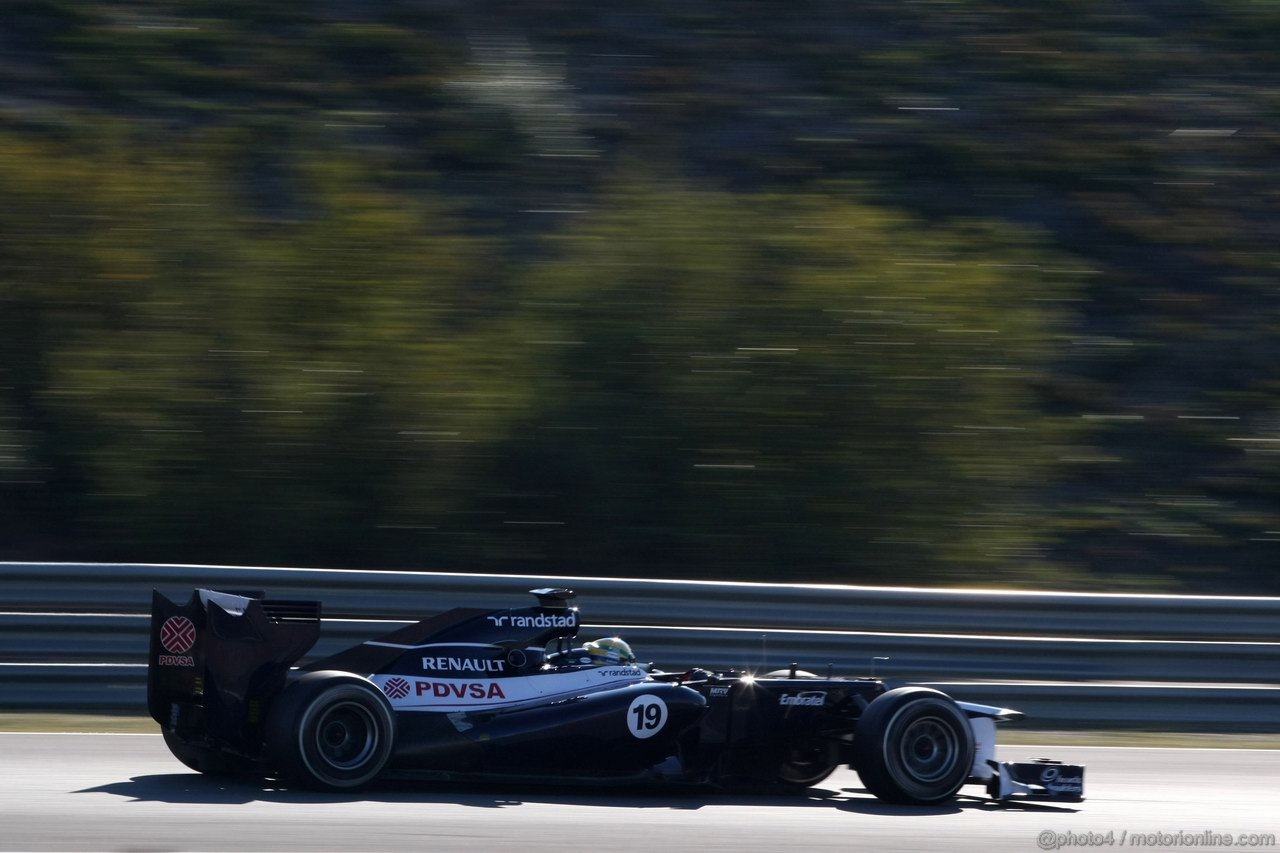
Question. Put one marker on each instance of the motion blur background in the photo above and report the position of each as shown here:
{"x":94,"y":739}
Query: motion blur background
{"x":918,"y":292}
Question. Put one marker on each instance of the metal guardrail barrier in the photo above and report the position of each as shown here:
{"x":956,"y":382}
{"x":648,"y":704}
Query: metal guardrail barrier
{"x":126,"y":588}
{"x":1206,"y":662}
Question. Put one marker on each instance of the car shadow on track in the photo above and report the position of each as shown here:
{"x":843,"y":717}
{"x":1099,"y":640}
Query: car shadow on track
{"x":195,"y":789}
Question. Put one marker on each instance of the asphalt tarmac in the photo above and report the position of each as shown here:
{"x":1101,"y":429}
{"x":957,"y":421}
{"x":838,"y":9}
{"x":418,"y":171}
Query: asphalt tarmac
{"x":125,"y":793}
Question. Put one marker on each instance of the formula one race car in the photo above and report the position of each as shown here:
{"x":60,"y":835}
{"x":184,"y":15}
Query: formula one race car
{"x":506,"y":694}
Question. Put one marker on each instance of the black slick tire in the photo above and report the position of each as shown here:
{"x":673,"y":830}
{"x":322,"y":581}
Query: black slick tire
{"x":806,"y":763}
{"x":913,"y":746}
{"x":331,"y":731}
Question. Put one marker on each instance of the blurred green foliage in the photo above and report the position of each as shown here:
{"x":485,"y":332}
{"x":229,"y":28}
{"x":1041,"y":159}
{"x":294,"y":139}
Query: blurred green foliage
{"x":935,"y":292}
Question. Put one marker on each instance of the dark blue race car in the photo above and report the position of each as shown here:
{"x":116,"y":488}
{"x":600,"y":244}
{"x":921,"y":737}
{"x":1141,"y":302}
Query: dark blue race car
{"x":476,"y":694}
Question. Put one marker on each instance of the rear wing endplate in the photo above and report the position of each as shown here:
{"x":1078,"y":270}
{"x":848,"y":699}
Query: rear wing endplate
{"x":216,"y":659}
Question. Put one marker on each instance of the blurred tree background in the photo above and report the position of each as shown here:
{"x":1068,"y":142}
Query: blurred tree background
{"x":961,"y":293}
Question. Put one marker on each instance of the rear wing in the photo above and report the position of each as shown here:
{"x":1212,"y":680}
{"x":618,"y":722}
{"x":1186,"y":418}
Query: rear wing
{"x":216,"y":660}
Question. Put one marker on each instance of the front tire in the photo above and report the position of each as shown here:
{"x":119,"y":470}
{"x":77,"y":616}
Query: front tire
{"x":331,"y":731}
{"x":913,"y":746}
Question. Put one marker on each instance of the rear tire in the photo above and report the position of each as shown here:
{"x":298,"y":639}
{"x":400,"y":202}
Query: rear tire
{"x":331,"y":731}
{"x":786,"y":673}
{"x":808,"y":762}
{"x":913,"y":746}
{"x":203,"y":759}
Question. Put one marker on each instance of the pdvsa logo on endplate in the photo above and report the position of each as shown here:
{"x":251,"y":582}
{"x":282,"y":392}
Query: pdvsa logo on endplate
{"x":177,"y":636}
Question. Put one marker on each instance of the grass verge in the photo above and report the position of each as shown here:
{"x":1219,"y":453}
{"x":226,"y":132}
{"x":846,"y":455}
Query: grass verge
{"x":36,"y":721}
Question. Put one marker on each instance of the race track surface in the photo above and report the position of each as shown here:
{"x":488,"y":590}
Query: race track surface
{"x":125,"y":793}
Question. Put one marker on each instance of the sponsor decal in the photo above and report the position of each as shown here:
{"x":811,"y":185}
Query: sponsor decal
{"x":396,"y":688}
{"x":449,"y":664}
{"x":646,"y":716}
{"x":1055,"y":783}
{"x":442,"y":693}
{"x":177,"y":635}
{"x":808,"y":699}
{"x":459,"y":690}
{"x":542,"y":620}
{"x":719,"y":691}
{"x":1067,"y":785}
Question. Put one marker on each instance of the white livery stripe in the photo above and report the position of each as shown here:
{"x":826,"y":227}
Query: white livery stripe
{"x":428,"y":693}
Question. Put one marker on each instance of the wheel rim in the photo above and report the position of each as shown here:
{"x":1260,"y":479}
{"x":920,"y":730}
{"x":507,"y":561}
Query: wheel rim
{"x":928,"y":749}
{"x":346,"y":735}
{"x":807,"y":764}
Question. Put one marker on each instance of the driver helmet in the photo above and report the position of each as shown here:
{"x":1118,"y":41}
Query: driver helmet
{"x":609,"y":650}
